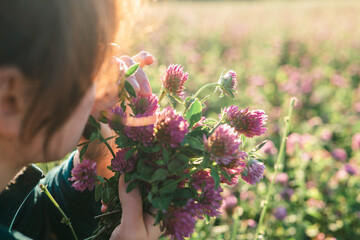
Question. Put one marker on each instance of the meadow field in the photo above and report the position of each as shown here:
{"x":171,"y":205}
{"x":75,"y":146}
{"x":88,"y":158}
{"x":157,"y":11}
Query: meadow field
{"x":279,"y":49}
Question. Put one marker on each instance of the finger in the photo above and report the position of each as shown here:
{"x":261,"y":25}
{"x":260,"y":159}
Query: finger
{"x":144,"y":58}
{"x":153,"y":232}
{"x":134,"y":83}
{"x":140,"y":76}
{"x":132,"y":215}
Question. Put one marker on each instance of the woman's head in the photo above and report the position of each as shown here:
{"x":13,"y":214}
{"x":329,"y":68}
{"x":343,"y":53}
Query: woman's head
{"x":50,"y":52}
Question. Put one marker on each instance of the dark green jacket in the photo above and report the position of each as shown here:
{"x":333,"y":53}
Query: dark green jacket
{"x":37,"y":217}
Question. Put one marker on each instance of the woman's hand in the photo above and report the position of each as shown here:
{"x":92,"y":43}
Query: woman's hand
{"x":108,"y":98}
{"x":135,"y":225}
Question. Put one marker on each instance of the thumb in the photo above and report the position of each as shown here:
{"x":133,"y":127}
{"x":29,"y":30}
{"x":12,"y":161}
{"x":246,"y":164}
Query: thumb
{"x":132,"y":210}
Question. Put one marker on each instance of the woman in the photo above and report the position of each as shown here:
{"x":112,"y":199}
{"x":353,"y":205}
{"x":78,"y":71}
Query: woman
{"x":51,"y":53}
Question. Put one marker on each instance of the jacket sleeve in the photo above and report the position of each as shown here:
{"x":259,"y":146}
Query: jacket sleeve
{"x":40,"y":219}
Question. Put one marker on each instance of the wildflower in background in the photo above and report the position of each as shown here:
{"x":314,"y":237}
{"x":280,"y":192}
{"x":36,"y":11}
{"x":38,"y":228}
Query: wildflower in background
{"x":251,"y":223}
{"x":228,"y":204}
{"x":339,"y":81}
{"x":179,"y":224}
{"x":223,"y":144}
{"x":120,"y":164}
{"x":248,"y":122}
{"x":350,"y":169}
{"x":280,"y":213}
{"x":295,"y":140}
{"x":287,"y":193}
{"x":170,"y":127}
{"x":228,"y":83}
{"x":315,"y":203}
{"x":143,"y":106}
{"x":326,"y":134}
{"x":258,"y":81}
{"x":84,"y":175}
{"x":269,"y":148}
{"x":282,"y":178}
{"x":115,"y":117}
{"x":253,"y":172}
{"x":355,"y":143}
{"x":339,"y":154}
{"x":174,"y":79}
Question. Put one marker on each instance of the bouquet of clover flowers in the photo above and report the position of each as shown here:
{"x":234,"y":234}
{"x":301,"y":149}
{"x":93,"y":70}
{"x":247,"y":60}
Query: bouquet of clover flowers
{"x":179,"y":161}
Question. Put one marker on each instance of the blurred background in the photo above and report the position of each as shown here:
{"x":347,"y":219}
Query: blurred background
{"x":279,"y":49}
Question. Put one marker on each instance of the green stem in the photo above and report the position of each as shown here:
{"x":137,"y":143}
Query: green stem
{"x":66,"y":219}
{"x":107,"y":145}
{"x":235,"y":226}
{"x":203,"y":87}
{"x":278,"y":161}
{"x":162,"y":95}
{"x":218,"y":124}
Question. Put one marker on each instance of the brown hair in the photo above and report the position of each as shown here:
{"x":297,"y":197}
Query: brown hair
{"x":59,"y":45}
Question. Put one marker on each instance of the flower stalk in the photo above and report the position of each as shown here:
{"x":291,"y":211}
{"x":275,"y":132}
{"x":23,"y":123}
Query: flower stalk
{"x":277,"y":163}
{"x":203,"y":87}
{"x":65,"y":218}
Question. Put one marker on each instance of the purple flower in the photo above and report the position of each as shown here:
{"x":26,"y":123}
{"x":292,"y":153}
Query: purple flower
{"x":179,"y":224}
{"x":228,"y":83}
{"x":174,"y":80}
{"x":228,"y":204}
{"x":234,"y":169}
{"x":209,"y":199}
{"x":326,"y":135}
{"x":143,"y":107}
{"x":84,"y":175}
{"x":223,"y":144}
{"x":355,"y":144}
{"x":280,"y":213}
{"x":250,"y":123}
{"x":287,"y":193}
{"x":269,"y":148}
{"x":251,"y":223}
{"x":120,"y":164}
{"x":350,"y":169}
{"x":170,"y":127}
{"x":253,"y":172}
{"x":339,"y":154}
{"x":115,"y":117}
{"x":296,"y":140}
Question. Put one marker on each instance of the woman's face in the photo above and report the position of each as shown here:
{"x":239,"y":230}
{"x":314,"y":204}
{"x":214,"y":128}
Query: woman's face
{"x":67,"y":137}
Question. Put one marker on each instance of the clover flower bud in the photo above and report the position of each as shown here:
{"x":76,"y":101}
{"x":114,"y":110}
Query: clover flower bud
{"x":170,"y":127}
{"x":121,"y":164}
{"x":228,"y":83}
{"x":253,"y":172}
{"x":174,"y":79}
{"x":223,"y":144}
{"x":115,"y":117}
{"x":248,"y":122}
